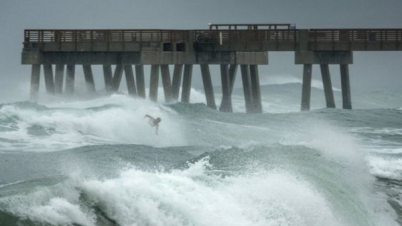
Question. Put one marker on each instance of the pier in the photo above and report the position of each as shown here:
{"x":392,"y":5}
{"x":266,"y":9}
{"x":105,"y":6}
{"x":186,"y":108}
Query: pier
{"x":235,"y":47}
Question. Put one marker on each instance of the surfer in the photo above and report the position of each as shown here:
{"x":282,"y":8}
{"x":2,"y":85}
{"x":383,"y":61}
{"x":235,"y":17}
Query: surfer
{"x":154,"y":122}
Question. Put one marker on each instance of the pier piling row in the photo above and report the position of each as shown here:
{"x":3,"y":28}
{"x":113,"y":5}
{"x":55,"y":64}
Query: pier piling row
{"x":182,"y":77}
{"x":231,"y":46}
{"x":171,"y":88}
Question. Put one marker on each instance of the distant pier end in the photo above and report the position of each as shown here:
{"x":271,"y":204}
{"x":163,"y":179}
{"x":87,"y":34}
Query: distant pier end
{"x":227,"y":45}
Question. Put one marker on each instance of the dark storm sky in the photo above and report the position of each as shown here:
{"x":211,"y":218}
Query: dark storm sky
{"x":370,"y":71}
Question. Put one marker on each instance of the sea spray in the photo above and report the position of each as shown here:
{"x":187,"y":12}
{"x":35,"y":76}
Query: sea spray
{"x":83,"y":167}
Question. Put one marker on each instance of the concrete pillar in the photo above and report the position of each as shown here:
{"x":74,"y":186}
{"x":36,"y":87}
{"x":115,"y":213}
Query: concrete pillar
{"x":107,"y":75}
{"x":245,"y":74}
{"x":167,"y":86}
{"x":35,"y":78}
{"x":306,"y":89}
{"x":186,"y":89}
{"x":49,"y":81}
{"x":226,"y":104}
{"x":232,"y":75}
{"x":346,"y":96}
{"x":89,"y":78}
{"x":255,"y":89}
{"x":209,"y":90}
{"x":118,"y":74}
{"x":326,"y":80}
{"x":131,"y":87}
{"x":59,"y":78}
{"x":139,"y":75}
{"x":153,"y":86}
{"x":176,"y":82}
{"x":70,"y":79}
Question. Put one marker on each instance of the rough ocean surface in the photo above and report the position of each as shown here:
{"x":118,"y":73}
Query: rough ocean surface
{"x":98,"y":162}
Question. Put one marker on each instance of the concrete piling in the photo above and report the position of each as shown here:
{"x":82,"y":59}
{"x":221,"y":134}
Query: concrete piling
{"x":245,"y":74}
{"x":118,"y":74}
{"x":232,"y":75}
{"x":108,"y":77}
{"x":226,"y":104}
{"x":306,"y":87}
{"x":59,"y":78}
{"x":154,"y":82}
{"x":208,"y":88}
{"x":70,"y":79}
{"x":255,"y":89}
{"x":166,"y":82}
{"x":326,"y":80}
{"x":49,"y":81}
{"x":177,"y":75}
{"x":89,"y":78}
{"x":131,"y":87}
{"x":139,"y":75}
{"x":35,"y":79}
{"x":345,"y":82}
{"x":186,"y":89}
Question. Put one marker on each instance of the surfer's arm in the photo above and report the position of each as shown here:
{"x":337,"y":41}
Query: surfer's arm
{"x":150,"y":117}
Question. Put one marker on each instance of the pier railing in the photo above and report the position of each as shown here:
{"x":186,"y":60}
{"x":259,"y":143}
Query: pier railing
{"x":243,"y":36}
{"x":318,"y":39}
{"x":44,"y":36}
{"x":354,"y":36}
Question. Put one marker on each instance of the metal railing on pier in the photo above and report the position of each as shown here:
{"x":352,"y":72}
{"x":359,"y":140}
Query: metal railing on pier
{"x":44,"y":36}
{"x":278,"y":36}
{"x":317,"y":36}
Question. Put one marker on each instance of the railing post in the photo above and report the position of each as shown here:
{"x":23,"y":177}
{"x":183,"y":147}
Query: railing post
{"x":90,"y":36}
{"x":75,"y":39}
{"x":140,"y":39}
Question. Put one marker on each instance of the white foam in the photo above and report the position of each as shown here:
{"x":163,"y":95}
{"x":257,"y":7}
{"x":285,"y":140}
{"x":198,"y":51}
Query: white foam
{"x":74,"y":126}
{"x":381,"y":131}
{"x":385,"y":167}
{"x":56,"y":206}
{"x":193,"y":197}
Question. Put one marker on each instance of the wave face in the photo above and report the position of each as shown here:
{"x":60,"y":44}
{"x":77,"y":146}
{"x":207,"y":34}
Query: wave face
{"x":98,"y":162}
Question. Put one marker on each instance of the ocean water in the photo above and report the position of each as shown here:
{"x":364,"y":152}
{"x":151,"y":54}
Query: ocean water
{"x":98,"y":162}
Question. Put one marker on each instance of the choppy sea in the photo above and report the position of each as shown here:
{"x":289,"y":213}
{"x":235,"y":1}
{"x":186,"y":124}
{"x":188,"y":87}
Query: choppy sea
{"x":98,"y":162}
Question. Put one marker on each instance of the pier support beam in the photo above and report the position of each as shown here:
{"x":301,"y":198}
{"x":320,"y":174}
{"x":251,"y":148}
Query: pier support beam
{"x":167,"y":85}
{"x":186,"y":90}
{"x":176,"y":82}
{"x":208,"y":88}
{"x":49,"y":81}
{"x":59,"y":78}
{"x":346,"y":96}
{"x":326,"y":80}
{"x":323,"y":58}
{"x":232,"y":78}
{"x":89,"y":78}
{"x":232,"y":75}
{"x":154,"y":82}
{"x":245,"y":74}
{"x":35,"y":79}
{"x":139,"y":75}
{"x":108,"y":77}
{"x":226,"y":104}
{"x":255,"y":89}
{"x":70,"y":79}
{"x":306,"y":89}
{"x":118,"y":74}
{"x":131,"y":87}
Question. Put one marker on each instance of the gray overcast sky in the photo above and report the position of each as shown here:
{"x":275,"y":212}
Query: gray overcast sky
{"x":370,"y":71}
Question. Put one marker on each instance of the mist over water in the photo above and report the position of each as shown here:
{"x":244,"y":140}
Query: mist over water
{"x":96,"y":161}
